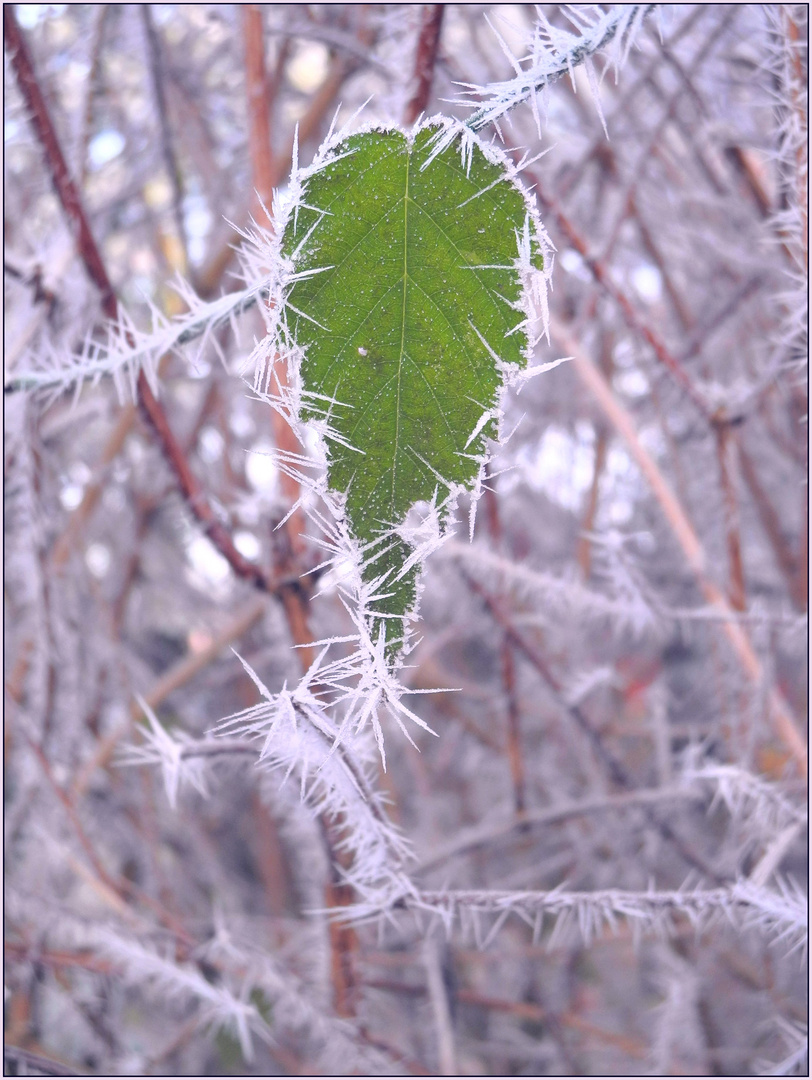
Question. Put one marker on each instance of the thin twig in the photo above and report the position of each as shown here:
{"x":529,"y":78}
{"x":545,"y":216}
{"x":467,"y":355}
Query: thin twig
{"x":44,"y":1066}
{"x":487,"y":834}
{"x":440,"y":1008}
{"x":627,"y":309}
{"x":171,"y":681}
{"x":167,"y":143}
{"x":726,"y":456}
{"x":425,"y":58}
{"x":564,"y":63}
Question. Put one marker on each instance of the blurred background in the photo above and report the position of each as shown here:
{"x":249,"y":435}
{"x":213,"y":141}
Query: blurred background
{"x":626,"y":632}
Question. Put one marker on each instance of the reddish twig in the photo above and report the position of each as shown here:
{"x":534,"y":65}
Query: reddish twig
{"x":425,"y":59}
{"x":258,"y":91}
{"x":71,"y":202}
{"x":524,"y":1010}
{"x":529,"y":1011}
{"x":630,"y":314}
{"x":24,"y":1059}
{"x":264,"y":176}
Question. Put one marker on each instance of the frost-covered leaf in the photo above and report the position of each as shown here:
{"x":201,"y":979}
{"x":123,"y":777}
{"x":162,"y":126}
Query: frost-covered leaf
{"x":407,"y":303}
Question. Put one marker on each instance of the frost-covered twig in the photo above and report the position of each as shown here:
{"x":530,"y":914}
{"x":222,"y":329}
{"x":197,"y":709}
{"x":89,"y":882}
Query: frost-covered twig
{"x":780,"y":914}
{"x":298,"y":735}
{"x":746,"y":795}
{"x":173,"y":979}
{"x":555,"y":53}
{"x":127,"y":351}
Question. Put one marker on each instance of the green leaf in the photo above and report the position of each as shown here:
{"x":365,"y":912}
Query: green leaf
{"x":411,"y":288}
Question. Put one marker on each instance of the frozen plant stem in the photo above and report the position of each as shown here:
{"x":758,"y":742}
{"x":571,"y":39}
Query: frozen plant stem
{"x":560,"y":64}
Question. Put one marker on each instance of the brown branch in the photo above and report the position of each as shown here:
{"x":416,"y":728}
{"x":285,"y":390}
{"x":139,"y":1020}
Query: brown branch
{"x":257,"y":88}
{"x":425,"y":59}
{"x":630,"y":315}
{"x":211,"y":274}
{"x":153,"y":413}
{"x":262,"y":171}
{"x":63,"y":182}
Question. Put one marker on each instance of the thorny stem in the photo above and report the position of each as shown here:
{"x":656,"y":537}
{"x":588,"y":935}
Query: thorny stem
{"x":580,"y":52}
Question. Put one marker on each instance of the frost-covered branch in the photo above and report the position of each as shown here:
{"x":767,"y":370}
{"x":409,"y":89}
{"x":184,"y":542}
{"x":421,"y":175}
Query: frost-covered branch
{"x":554,"y":53}
{"x":128,"y":350}
{"x":780,"y":914}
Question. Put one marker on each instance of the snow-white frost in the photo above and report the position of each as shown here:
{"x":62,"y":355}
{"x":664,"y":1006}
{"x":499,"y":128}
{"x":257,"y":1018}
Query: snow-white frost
{"x":554,"y":52}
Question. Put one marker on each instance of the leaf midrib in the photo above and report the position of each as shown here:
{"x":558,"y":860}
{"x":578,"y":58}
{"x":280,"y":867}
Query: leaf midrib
{"x":402,"y":319}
